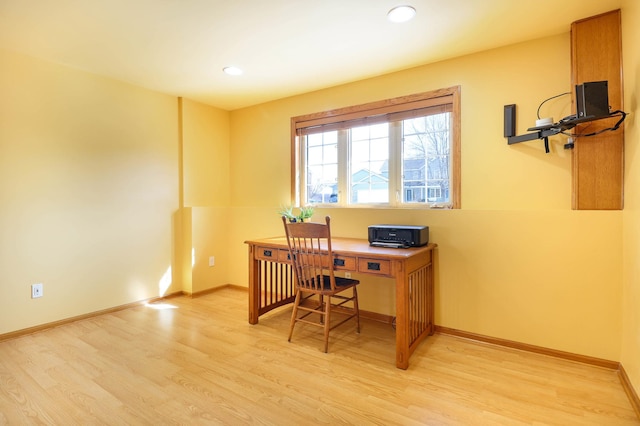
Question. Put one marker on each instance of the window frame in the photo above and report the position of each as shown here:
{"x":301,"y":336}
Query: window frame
{"x":400,"y":104}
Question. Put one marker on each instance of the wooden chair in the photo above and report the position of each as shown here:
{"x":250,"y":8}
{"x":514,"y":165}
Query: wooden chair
{"x":312,"y":259}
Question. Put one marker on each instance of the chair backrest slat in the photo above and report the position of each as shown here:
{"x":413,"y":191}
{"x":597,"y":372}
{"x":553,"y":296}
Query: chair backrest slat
{"x":310,"y":252}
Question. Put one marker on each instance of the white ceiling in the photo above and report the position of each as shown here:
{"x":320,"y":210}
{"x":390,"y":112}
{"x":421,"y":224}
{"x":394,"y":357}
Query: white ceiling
{"x":285,"y":47}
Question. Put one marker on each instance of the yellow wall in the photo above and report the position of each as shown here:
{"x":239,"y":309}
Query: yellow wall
{"x":631,"y":217}
{"x":206,"y":194}
{"x":88,"y":185}
{"x":205,"y":153}
{"x":515,"y":262}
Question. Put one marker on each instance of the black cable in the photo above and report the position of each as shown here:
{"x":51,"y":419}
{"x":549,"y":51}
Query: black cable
{"x":546,"y":100}
{"x":614,"y":128}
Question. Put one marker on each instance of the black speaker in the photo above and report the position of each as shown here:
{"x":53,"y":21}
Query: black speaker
{"x":509,"y":120}
{"x":592,"y":99}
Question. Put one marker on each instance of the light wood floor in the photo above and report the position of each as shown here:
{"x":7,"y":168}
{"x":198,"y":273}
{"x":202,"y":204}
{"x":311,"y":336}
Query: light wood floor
{"x":198,"y":361}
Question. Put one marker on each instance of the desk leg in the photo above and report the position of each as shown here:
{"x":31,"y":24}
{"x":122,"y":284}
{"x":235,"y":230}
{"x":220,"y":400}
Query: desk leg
{"x":414,"y":309}
{"x":254,"y":286}
{"x":431,"y":301}
{"x":402,"y":325}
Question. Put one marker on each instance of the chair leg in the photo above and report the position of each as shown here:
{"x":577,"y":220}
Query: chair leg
{"x":294,"y":314}
{"x":327,"y":322}
{"x":355,"y":306}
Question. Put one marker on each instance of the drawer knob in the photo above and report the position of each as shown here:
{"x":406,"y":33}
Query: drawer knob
{"x":373,"y":266}
{"x":338,"y":262}
{"x":266,"y":253}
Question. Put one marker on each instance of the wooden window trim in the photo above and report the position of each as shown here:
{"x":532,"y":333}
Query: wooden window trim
{"x":388,"y":106}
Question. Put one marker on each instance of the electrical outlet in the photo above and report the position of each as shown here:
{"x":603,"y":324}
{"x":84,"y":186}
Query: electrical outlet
{"x":347,"y":274}
{"x":212,"y":261}
{"x":36,"y":290}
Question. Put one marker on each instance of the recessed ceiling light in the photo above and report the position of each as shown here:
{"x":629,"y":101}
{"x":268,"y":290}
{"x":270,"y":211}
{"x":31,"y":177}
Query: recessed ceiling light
{"x":401,"y":14}
{"x":232,"y":70}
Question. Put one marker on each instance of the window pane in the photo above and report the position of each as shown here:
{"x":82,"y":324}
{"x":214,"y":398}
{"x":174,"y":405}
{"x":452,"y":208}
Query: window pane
{"x":425,"y":159}
{"x":322,"y":168}
{"x":330,"y":154}
{"x":397,"y":151}
{"x":369,"y":164}
{"x":314,"y":155}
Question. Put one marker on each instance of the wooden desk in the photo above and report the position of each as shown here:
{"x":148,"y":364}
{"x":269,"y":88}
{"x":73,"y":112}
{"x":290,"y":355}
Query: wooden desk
{"x":271,"y":282}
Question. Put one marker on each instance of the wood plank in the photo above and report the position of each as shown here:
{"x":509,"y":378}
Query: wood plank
{"x":598,"y":161}
{"x":195,"y":360}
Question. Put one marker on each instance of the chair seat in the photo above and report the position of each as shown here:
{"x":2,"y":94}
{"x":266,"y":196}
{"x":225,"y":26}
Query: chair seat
{"x":340,"y":282}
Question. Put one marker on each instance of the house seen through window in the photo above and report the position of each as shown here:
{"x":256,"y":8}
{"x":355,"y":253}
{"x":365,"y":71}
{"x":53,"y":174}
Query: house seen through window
{"x":401,"y":152}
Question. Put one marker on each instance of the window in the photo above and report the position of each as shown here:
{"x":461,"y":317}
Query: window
{"x":402,"y":152}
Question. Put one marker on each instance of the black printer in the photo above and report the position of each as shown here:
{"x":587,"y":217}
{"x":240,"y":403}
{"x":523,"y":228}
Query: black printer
{"x":398,"y":236}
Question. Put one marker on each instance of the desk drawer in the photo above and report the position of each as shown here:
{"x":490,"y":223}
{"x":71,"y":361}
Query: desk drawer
{"x":344,"y":263}
{"x":269,"y":253}
{"x":283,"y":256}
{"x":374,"y":266}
